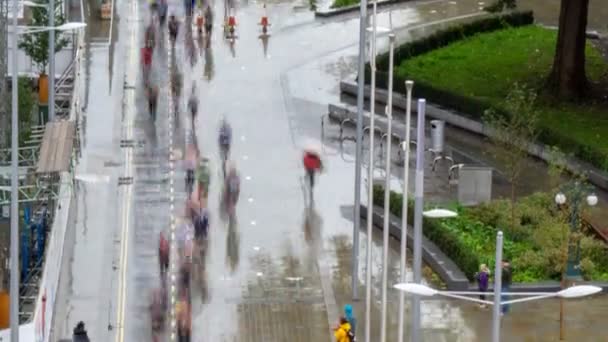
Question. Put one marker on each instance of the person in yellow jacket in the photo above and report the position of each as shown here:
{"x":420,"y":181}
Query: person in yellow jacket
{"x":341,"y":331}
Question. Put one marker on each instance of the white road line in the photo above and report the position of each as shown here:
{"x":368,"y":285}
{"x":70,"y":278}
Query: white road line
{"x":172,"y":199}
{"x":128,"y":188}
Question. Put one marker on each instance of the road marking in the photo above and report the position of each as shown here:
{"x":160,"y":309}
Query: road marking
{"x":128,"y":189}
{"x":172,"y":157}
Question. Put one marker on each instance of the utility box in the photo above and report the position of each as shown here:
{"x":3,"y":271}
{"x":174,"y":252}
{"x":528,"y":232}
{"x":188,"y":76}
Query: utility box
{"x":474,"y":185}
{"x":437,"y":136}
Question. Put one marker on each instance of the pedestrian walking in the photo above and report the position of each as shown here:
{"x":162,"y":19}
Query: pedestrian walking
{"x":483,"y":278}
{"x":342,"y":331}
{"x":507,"y":276}
{"x":80,"y":333}
{"x":348,"y":313}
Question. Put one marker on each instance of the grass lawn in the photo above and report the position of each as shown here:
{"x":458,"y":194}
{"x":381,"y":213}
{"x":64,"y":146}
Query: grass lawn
{"x":486,"y":65}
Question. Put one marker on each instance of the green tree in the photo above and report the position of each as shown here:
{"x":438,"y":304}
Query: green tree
{"x":513,"y":133}
{"x":36,"y":45}
{"x":26,"y":106}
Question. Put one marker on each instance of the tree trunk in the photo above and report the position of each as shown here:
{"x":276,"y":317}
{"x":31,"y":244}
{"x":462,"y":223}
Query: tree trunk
{"x":568,"y":78}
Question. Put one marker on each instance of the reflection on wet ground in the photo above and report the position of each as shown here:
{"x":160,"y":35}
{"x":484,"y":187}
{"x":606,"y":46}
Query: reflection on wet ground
{"x":262,"y":280}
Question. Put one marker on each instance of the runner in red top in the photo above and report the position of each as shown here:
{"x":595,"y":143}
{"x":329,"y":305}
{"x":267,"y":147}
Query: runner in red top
{"x":312,"y":164}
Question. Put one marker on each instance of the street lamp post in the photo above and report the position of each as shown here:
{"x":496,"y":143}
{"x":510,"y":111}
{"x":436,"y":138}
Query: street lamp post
{"x":577,"y":190}
{"x":418,"y":198}
{"x":14,"y":246}
{"x":406,"y":171}
{"x":387,"y":188}
{"x":418,"y":214}
{"x":572,"y":292}
{"x":497,"y":289}
{"x":370,"y":190}
{"x":360,"y":101}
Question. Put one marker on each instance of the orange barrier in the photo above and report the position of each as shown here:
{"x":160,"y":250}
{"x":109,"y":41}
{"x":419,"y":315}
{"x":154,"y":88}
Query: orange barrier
{"x":4,"y":310}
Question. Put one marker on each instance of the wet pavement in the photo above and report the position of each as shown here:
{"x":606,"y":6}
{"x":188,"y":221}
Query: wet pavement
{"x":276,"y":274}
{"x":443,"y":320}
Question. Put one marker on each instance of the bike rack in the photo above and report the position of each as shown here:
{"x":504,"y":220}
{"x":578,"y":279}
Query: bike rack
{"x":453,"y":173}
{"x":440,"y":156}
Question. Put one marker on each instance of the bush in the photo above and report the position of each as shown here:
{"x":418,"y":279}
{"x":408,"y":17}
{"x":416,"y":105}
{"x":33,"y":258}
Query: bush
{"x":447,"y":240}
{"x":534,"y":247}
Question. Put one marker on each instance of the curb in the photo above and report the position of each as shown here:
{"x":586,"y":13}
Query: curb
{"x":441,"y":264}
{"x":596,"y":176}
{"x":355,"y":8}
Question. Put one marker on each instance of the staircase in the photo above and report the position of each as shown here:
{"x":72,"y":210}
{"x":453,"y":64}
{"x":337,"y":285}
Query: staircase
{"x":64,"y":88}
{"x":28,"y":293}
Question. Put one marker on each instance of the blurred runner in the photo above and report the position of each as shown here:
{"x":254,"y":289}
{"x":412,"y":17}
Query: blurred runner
{"x":157,"y":316}
{"x":208,"y":21}
{"x":232,"y":188}
{"x":193,"y":104}
{"x":184,"y":320}
{"x":162,"y":12}
{"x":264,"y":21}
{"x":146,"y":56}
{"x":152,"y":93}
{"x":163,"y":254}
{"x":224,"y":141}
{"x":173,"y":29}
{"x":312,"y":164}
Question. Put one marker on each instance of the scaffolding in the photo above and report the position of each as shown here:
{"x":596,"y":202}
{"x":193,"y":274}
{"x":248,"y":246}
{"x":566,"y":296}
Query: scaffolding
{"x":4,"y":103}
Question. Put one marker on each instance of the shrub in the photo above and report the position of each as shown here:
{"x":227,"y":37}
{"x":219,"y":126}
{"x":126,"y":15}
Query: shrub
{"x":535,"y":249}
{"x":447,"y":240}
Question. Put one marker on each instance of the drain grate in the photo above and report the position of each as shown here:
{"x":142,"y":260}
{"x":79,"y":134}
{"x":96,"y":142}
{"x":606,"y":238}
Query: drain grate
{"x":125,"y":180}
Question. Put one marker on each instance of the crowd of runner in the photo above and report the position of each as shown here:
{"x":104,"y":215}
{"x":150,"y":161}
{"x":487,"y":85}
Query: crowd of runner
{"x":191,"y":236}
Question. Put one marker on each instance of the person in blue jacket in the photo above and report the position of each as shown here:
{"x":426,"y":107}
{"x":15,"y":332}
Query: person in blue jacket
{"x":348,"y":313}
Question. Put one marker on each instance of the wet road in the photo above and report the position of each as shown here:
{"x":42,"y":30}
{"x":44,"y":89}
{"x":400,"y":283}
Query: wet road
{"x":278,"y":273}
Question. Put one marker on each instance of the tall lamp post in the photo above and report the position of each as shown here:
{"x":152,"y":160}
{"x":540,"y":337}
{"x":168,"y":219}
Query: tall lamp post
{"x":360,"y":101}
{"x":14,"y":246}
{"x":418,"y":214}
{"x":370,"y":190}
{"x":577,"y":191}
{"x":387,"y":188}
{"x":406,"y":172}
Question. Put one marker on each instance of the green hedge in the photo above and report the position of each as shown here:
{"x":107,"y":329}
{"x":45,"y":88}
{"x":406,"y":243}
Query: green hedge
{"x":445,"y":239}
